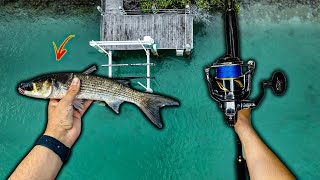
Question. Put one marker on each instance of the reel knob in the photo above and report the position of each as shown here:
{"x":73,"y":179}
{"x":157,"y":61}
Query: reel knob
{"x":279,"y":84}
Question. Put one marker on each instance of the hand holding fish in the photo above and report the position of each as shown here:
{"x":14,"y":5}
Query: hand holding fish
{"x":64,"y":122}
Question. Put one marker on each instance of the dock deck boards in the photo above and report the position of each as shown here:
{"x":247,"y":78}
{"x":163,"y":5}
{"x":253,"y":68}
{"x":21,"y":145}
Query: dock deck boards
{"x":170,"y":31}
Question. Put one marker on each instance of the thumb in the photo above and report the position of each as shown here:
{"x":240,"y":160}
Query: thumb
{"x":72,"y":92}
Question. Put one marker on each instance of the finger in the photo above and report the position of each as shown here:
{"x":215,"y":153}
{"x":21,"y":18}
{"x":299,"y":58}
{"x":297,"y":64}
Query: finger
{"x":86,"y":105}
{"x":77,"y":114}
{"x":72,"y":93}
{"x":244,"y":115}
{"x":245,"y":112}
{"x":77,"y":123}
{"x":53,"y":103}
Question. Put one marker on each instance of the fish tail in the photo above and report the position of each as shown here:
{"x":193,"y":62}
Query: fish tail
{"x":151,"y":107}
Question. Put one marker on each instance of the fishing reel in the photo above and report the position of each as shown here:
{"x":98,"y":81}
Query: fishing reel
{"x":230,"y":85}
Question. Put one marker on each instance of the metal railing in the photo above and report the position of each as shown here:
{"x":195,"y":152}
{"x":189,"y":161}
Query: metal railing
{"x":143,"y":11}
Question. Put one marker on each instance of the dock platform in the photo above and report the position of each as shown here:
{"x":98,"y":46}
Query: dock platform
{"x":170,"y":29}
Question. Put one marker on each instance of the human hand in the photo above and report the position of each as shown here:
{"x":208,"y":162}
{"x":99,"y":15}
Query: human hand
{"x":64,"y":123}
{"x":243,"y":120}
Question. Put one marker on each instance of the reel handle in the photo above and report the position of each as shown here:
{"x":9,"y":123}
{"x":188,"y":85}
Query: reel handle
{"x":277,"y":83}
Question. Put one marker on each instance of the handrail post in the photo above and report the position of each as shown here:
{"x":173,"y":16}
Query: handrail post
{"x":148,"y":71}
{"x":110,"y":64}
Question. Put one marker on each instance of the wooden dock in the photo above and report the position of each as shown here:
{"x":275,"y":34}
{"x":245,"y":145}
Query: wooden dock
{"x":169,"y":30}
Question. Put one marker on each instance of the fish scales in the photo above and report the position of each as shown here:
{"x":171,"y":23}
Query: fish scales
{"x":102,"y":88}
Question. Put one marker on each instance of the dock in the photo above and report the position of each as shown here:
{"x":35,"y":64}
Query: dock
{"x":170,"y":28}
{"x":149,"y":30}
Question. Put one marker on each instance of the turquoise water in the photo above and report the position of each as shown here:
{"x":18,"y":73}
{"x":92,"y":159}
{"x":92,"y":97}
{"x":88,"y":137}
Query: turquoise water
{"x":195,"y":143}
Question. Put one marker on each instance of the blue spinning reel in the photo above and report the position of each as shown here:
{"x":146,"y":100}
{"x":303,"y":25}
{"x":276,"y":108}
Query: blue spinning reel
{"x":230,"y":82}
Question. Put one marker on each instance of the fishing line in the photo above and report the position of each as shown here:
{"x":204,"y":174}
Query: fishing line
{"x":232,"y":71}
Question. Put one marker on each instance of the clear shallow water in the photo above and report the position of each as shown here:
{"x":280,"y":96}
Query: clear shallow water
{"x":195,"y":143}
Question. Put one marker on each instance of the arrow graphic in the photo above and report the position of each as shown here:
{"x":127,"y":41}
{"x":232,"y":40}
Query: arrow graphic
{"x":61,"y":51}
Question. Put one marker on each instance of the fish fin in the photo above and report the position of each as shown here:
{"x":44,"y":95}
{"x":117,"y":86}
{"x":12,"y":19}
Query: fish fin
{"x":90,"y":70}
{"x":123,"y":81}
{"x":151,"y":107}
{"x":78,"y":104}
{"x":114,"y":104}
{"x":100,"y":103}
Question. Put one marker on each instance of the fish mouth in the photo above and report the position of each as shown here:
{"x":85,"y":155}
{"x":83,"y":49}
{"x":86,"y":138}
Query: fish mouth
{"x":20,"y":90}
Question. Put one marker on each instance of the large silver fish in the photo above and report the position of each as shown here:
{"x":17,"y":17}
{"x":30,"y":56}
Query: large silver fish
{"x":111,"y":91}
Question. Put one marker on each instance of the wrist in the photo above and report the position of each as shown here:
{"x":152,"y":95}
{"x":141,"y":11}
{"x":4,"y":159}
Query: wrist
{"x":60,"y":135}
{"x":54,"y":145}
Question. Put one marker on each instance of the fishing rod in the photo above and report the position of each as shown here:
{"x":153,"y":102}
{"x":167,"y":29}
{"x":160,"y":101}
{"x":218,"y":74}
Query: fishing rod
{"x":229,"y":81}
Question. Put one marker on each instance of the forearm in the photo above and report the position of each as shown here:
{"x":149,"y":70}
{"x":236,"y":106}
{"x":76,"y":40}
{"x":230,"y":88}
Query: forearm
{"x":262,"y":162}
{"x":40,"y":163}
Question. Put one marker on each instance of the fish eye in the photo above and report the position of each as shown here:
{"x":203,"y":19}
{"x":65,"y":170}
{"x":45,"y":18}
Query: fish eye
{"x":26,"y":86}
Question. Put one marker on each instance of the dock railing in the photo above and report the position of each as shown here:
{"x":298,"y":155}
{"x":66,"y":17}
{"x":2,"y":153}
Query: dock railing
{"x":122,"y":11}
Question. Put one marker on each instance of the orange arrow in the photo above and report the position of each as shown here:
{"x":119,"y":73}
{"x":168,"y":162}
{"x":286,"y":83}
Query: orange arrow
{"x":61,"y":52}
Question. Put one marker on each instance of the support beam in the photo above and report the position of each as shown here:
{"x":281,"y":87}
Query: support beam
{"x":137,"y":64}
{"x":110,"y":64}
{"x":121,"y":43}
{"x":148,"y":89}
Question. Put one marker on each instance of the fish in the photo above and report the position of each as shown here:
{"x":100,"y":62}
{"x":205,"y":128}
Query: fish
{"x":112,"y":91}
